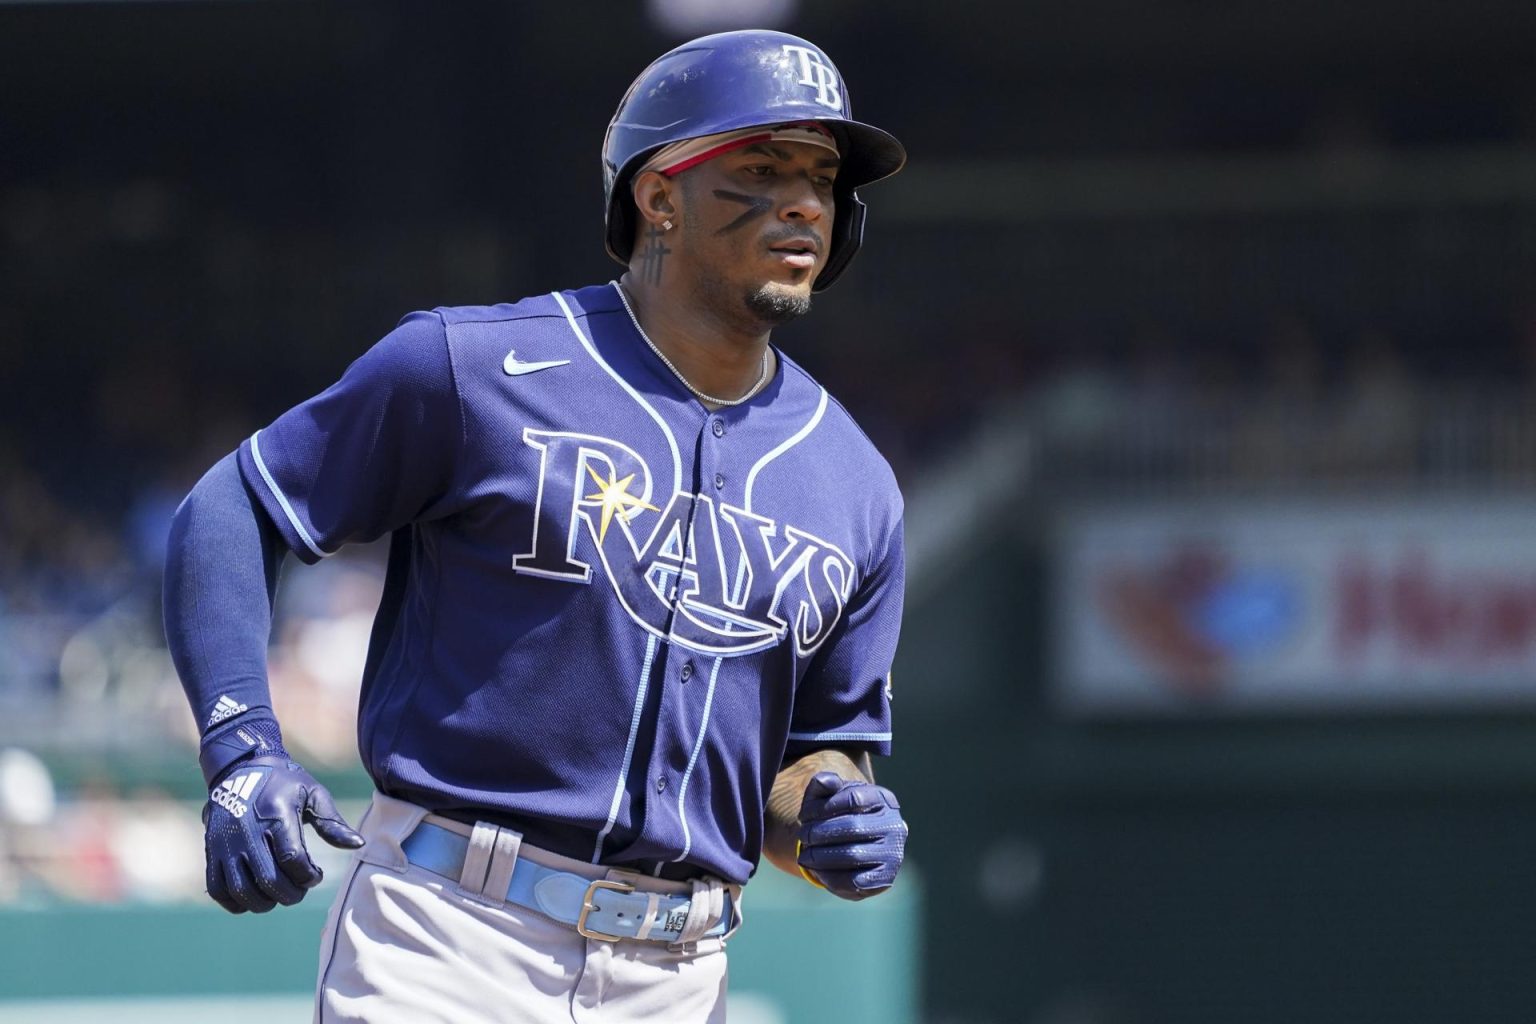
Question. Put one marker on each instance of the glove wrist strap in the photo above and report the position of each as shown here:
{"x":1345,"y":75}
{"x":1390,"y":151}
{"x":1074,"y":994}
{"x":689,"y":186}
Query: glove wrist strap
{"x":803,"y":872}
{"x":251,"y":734}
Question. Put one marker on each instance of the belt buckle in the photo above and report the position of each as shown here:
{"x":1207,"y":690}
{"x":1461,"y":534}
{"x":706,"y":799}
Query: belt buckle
{"x":587,"y":907}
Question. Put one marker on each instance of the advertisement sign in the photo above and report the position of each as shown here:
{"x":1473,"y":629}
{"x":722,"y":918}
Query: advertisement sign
{"x":1306,"y":605}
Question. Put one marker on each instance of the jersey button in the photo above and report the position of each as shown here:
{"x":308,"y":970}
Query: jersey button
{"x":661,"y":785}
{"x":687,"y":671}
{"x":719,"y":481}
{"x":718,"y":426}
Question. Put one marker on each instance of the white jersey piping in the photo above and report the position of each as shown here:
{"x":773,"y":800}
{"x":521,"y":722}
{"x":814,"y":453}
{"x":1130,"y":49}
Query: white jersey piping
{"x":282,"y":499}
{"x":677,"y":462}
{"x":786,"y":445}
{"x":629,"y":748}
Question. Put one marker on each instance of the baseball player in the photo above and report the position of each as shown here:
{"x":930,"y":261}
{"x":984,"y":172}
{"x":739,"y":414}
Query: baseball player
{"x":643,"y":593}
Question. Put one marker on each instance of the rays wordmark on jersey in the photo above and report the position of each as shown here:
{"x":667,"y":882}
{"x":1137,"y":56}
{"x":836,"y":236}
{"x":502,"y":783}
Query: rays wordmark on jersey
{"x":716,"y":578}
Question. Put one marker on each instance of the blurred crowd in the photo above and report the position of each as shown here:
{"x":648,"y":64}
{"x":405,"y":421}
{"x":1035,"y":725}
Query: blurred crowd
{"x":1294,"y":409}
{"x":85,"y":680}
{"x":1289,"y":400}
{"x":103,"y":839}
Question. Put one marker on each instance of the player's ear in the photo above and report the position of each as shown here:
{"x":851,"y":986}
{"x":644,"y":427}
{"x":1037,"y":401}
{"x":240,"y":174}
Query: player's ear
{"x":655,"y":200}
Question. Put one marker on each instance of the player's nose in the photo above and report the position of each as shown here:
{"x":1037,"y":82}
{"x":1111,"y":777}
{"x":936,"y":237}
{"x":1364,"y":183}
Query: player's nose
{"x":802,"y":202}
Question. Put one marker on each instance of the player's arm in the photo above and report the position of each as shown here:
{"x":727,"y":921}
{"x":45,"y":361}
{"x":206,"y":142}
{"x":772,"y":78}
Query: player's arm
{"x":221,"y":569}
{"x":220,"y":582}
{"x":826,"y":819}
{"x":781,"y":824}
{"x":374,"y":451}
{"x":828,"y":823}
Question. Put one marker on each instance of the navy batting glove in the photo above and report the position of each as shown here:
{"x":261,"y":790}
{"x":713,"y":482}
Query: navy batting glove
{"x":852,"y":838}
{"x":254,"y":834}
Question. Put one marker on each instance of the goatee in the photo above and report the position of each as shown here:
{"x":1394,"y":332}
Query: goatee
{"x":773,"y":305}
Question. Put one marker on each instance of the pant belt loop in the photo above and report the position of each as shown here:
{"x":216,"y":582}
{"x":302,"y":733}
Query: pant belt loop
{"x":737,"y":917}
{"x":477,"y":862}
{"x":503,"y":859}
{"x":704,"y":910}
{"x":652,"y":910}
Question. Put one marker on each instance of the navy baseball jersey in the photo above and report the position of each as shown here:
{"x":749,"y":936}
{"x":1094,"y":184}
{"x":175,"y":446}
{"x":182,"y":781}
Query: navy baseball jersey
{"x":610,"y":614}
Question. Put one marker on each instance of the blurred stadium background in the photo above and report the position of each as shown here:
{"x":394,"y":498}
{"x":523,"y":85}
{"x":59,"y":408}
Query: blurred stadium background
{"x":1202,"y":337}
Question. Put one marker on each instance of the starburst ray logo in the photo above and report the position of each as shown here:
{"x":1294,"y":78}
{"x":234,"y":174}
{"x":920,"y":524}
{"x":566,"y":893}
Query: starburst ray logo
{"x":616,"y":499}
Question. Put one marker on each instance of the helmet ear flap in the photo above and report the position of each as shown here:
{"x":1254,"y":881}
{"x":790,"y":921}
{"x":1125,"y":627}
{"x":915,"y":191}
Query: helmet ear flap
{"x":847,"y":236}
{"x":621,"y":229}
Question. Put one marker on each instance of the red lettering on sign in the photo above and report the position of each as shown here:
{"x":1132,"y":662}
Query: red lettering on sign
{"x":1425,"y":611}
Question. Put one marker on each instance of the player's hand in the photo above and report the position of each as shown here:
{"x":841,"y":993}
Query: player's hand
{"x":254,"y":836}
{"x":852,"y":838}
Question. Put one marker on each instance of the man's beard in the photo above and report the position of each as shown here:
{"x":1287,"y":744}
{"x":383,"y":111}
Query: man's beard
{"x":773,"y":304}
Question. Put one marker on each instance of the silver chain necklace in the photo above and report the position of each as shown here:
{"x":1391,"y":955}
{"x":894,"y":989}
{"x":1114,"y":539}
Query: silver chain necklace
{"x":762,"y":378}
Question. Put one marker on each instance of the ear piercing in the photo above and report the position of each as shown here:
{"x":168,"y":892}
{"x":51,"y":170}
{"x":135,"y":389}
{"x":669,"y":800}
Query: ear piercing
{"x":666,"y":225}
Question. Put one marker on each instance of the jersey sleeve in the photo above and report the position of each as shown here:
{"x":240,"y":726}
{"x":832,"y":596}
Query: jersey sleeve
{"x":844,"y":699}
{"x":371,"y":453}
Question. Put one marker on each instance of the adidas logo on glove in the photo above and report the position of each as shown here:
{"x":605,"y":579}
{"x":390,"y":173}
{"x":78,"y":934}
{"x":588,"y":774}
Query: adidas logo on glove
{"x":233,"y":792}
{"x":227,"y":707}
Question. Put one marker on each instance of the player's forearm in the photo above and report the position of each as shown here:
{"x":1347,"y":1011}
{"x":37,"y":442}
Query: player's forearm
{"x":220,"y":579}
{"x":782,"y":820}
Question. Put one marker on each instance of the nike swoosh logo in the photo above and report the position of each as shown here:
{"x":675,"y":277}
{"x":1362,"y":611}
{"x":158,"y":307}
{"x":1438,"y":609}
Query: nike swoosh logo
{"x":516,"y":368}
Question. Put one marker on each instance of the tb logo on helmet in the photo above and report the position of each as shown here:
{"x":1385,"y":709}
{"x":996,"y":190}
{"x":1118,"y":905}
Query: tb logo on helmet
{"x":818,"y":74}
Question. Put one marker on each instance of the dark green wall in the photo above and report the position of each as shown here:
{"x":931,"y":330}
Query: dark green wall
{"x":1259,"y":871}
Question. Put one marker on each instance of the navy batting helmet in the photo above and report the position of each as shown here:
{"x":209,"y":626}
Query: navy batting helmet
{"x":737,"y":80}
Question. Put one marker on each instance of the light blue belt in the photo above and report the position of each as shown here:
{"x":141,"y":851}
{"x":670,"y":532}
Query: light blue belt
{"x":602,"y":908}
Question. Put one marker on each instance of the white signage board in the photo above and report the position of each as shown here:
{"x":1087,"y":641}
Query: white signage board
{"x":1302,"y":605}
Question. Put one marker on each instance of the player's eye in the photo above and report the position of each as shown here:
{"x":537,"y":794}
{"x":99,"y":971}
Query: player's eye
{"x":823,"y":181}
{"x":761,"y":170}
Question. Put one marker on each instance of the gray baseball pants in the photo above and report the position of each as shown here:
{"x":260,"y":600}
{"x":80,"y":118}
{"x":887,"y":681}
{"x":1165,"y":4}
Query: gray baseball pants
{"x":403,"y":945}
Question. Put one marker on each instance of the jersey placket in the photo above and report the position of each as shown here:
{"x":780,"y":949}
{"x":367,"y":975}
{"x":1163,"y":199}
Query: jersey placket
{"x":686,"y":683}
